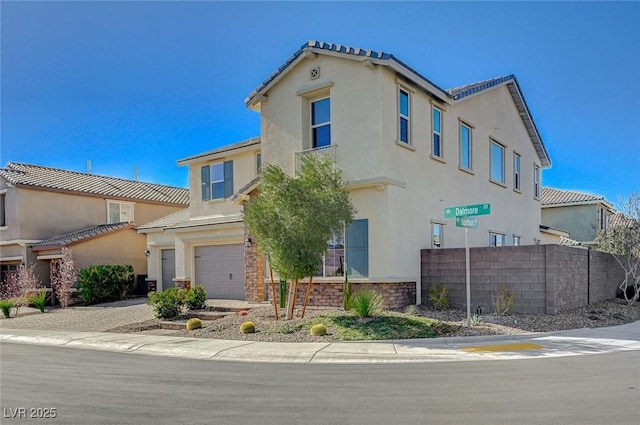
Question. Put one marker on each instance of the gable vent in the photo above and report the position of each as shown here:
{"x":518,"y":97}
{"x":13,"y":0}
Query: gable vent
{"x":314,"y":73}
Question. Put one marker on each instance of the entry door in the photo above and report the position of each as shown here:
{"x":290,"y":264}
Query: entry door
{"x":168,"y":267}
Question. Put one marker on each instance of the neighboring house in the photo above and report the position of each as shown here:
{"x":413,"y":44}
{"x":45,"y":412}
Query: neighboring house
{"x":582,"y":215}
{"x":44,"y":209}
{"x":408,"y":149}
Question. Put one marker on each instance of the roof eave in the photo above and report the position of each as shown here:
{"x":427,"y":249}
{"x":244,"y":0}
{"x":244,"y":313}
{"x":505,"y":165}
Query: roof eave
{"x":222,"y":152}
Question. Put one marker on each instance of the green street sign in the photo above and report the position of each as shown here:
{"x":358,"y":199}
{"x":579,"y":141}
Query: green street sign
{"x":467,"y":210}
{"x":469,"y":222}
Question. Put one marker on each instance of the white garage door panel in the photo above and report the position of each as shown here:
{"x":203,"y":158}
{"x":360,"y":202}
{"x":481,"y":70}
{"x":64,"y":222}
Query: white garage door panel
{"x":220,"y":269}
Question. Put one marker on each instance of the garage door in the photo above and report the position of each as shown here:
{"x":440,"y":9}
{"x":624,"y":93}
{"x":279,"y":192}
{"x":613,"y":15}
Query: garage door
{"x":220,"y":269}
{"x":168,"y":267}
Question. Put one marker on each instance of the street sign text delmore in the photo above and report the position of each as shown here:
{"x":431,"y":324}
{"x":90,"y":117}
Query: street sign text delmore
{"x":468,"y":210}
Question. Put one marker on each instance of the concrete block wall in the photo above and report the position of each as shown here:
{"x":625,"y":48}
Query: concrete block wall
{"x":395,"y":295}
{"x":606,"y":275}
{"x":542,"y":278}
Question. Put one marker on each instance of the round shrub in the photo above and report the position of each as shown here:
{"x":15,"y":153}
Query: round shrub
{"x":247,"y":328}
{"x":194,"y":323}
{"x":318,"y":330}
{"x":196,"y":298}
{"x":243,"y":313}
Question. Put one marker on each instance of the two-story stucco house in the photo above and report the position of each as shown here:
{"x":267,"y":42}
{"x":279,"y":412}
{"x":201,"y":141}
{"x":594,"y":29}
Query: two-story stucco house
{"x":408,"y":149}
{"x":582,"y":215}
{"x":44,"y":209}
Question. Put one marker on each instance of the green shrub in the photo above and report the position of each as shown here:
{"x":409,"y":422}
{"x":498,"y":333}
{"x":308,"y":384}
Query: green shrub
{"x":247,"y":328}
{"x":411,"y":310}
{"x":439,"y":296}
{"x":196,"y":298}
{"x":6,"y":306}
{"x":167,"y":304}
{"x":503,"y":303}
{"x":318,"y":330}
{"x":194,"y":323}
{"x":39,"y":300}
{"x":366,"y":303}
{"x":103,"y":283}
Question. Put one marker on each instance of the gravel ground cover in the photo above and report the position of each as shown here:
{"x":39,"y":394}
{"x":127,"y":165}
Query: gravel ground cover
{"x":607,"y":313}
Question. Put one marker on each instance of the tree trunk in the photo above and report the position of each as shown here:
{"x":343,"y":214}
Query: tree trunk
{"x":306,"y":297}
{"x":273,"y":293}
{"x":291,"y":299}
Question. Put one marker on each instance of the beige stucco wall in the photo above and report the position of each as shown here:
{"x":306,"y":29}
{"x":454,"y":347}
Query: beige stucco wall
{"x":122,"y":247}
{"x":38,"y":214}
{"x":364,"y":130}
{"x":579,"y":220}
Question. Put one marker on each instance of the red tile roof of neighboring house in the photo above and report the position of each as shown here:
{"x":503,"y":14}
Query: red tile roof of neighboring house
{"x":79,"y":236}
{"x":54,"y":179}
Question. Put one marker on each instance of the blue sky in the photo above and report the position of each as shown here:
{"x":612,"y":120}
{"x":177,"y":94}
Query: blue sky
{"x":143,"y":84}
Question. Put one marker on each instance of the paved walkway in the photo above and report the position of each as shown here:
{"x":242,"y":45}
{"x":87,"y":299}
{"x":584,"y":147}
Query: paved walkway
{"x":83,"y":327}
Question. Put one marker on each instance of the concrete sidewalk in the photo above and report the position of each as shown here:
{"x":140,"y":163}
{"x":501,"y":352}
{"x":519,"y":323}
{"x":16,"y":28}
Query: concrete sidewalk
{"x":565,"y":343}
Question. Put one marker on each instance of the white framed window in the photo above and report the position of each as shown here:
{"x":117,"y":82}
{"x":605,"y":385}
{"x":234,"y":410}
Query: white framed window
{"x":404,"y":116}
{"x":217,"y":180}
{"x":465,"y":146}
{"x":516,"y":171}
{"x":603,"y":219}
{"x":3,"y":209}
{"x":436,"y":127}
{"x":536,"y":181}
{"x":321,"y":123}
{"x":496,"y":239}
{"x":119,"y":212}
{"x":351,"y":252}
{"x":497,"y":162}
{"x":516,"y":240}
{"x":437,"y":235}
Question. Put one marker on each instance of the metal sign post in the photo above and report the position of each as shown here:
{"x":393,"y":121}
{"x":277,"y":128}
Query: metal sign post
{"x":466,"y":217}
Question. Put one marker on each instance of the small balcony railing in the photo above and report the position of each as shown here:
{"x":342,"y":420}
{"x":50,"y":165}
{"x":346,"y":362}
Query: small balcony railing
{"x":324,"y":150}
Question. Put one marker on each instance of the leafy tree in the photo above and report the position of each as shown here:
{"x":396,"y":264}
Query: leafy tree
{"x":20,"y":285}
{"x":293,"y":217}
{"x":622,"y":240}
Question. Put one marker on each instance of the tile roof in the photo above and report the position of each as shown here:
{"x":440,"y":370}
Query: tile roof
{"x":449,"y":96}
{"x":166,"y":221}
{"x":78,"y":236}
{"x":469,"y":89}
{"x":620,"y":219}
{"x":254,"y":141}
{"x":552,"y":197}
{"x":207,"y":221}
{"x":28,"y":175}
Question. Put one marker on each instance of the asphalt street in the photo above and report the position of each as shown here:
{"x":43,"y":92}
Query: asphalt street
{"x":101,"y":387}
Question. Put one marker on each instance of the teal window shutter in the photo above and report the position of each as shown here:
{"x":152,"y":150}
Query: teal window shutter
{"x":228,"y":179}
{"x":205,"y":173}
{"x":358,"y":248}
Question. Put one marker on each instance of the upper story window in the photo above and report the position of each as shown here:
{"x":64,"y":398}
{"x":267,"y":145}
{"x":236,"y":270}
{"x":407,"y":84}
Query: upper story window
{"x":436,"y":119}
{"x":404,"y":110}
{"x":497,"y":162}
{"x":516,"y":172}
{"x":536,"y":181}
{"x":465,"y":146}
{"x":603,"y":219}
{"x":217,"y":180}
{"x":321,"y":123}
{"x":119,"y":212}
{"x":496,"y":239}
{"x":436,"y":235}
{"x":3,"y":209}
